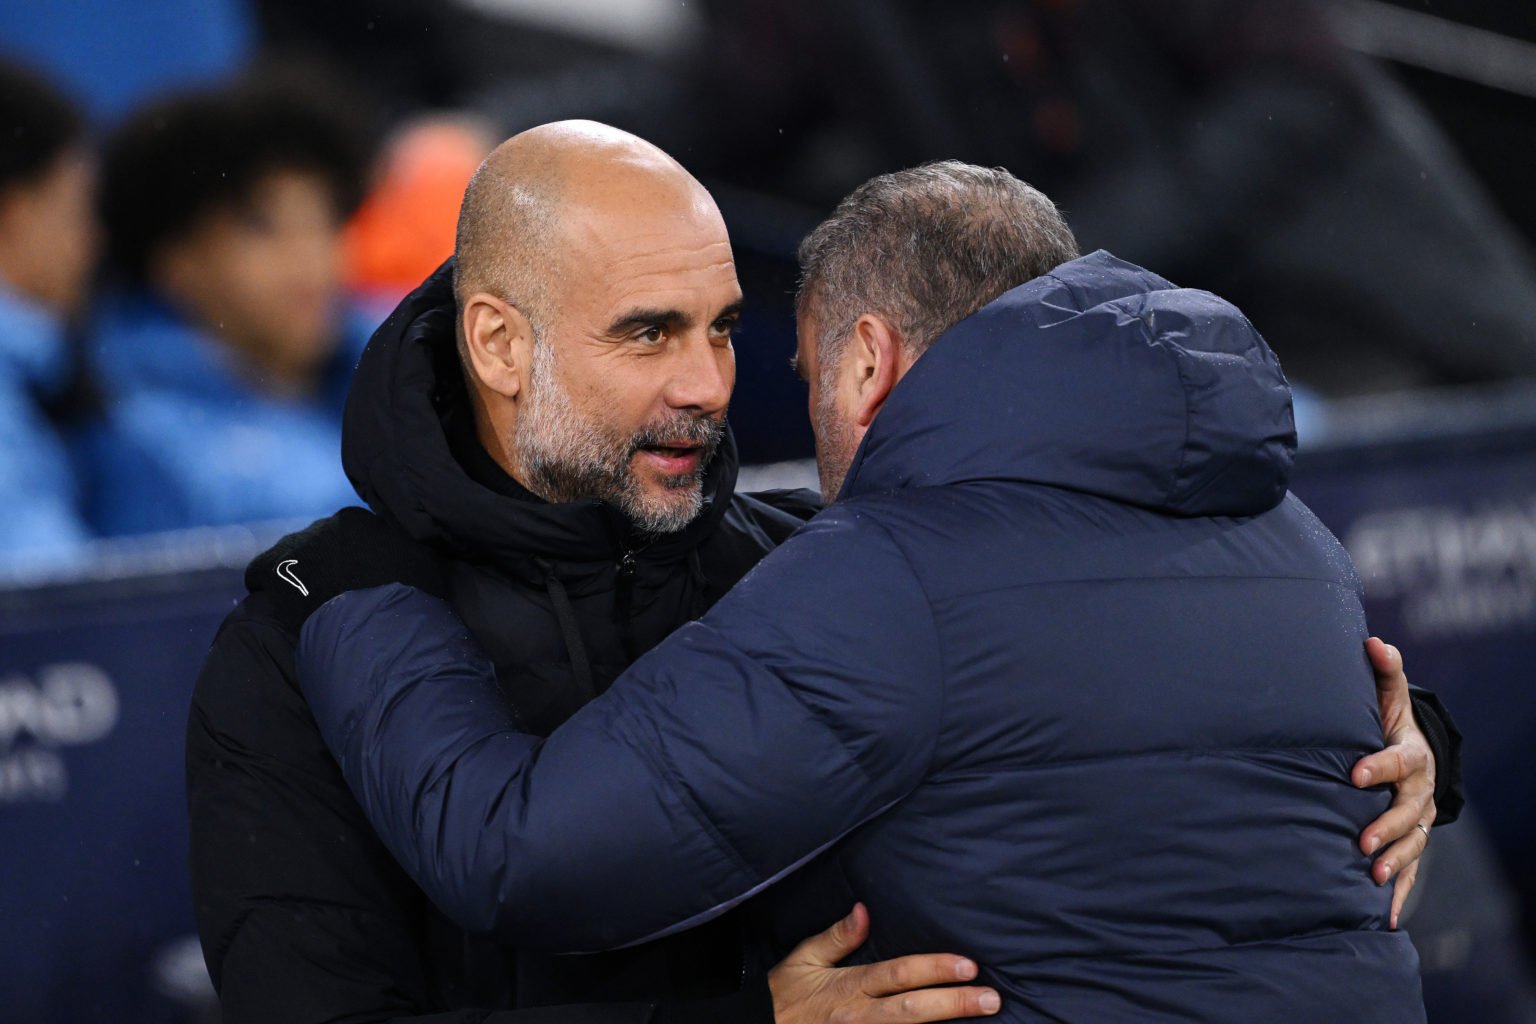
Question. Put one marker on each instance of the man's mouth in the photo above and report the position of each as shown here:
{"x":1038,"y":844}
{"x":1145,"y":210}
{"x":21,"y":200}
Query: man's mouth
{"x":673,"y":459}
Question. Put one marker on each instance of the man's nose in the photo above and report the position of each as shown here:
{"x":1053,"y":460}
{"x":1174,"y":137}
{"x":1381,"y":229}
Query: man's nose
{"x":703,"y":377}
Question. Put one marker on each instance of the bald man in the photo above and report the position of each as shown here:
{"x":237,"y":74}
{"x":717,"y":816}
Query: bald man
{"x":540,"y":435}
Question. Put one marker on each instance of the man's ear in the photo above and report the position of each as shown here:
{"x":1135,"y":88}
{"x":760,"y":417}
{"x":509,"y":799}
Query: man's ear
{"x":498,"y":338}
{"x":876,"y":363}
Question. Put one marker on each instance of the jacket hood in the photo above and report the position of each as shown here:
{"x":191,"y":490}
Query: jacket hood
{"x":1098,"y":377}
{"x":396,"y":452}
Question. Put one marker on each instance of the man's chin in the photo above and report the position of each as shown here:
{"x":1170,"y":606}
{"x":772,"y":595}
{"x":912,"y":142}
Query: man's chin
{"x":665,"y":504}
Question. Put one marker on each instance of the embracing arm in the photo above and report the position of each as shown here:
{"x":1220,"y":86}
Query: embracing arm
{"x":803,"y":705}
{"x":1444,"y":740}
{"x":304,"y":916}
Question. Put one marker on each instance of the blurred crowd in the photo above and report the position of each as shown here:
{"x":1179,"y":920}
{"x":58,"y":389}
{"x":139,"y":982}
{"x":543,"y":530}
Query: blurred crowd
{"x":183,"y":300}
{"x":206,"y":206}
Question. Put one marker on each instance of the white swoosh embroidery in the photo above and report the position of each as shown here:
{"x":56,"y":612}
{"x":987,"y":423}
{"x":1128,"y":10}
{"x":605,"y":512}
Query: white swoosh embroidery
{"x":286,"y":573}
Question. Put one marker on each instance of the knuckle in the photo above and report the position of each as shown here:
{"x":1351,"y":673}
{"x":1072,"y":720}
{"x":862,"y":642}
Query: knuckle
{"x":901,"y":974}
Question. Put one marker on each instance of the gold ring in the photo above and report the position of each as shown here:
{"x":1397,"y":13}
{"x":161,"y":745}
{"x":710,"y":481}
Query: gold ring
{"x":1423,"y":828}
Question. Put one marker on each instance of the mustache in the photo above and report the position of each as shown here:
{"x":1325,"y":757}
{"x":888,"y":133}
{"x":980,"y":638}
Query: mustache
{"x":703,"y":431}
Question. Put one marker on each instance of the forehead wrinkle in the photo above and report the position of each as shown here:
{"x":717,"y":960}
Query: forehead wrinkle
{"x":633,"y":272}
{"x":658,"y":245}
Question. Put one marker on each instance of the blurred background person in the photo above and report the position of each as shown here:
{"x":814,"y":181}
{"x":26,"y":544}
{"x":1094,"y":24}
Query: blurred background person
{"x":226,"y":344}
{"x":48,"y":242}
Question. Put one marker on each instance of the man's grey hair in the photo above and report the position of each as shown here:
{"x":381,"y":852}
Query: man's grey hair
{"x":506,"y":242}
{"x":925,"y":248}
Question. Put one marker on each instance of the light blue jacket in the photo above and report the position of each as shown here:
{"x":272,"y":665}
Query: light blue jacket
{"x":189,"y":440}
{"x":40,"y":521}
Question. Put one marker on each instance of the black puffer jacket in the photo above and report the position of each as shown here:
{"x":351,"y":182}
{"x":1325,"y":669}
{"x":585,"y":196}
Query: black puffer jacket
{"x":303,"y":915}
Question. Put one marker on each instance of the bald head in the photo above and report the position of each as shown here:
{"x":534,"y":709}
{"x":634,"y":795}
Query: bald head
{"x":597,"y":298}
{"x":513,"y":228}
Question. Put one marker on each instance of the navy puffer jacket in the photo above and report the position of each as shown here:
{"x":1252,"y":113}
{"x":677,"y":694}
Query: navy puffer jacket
{"x":1074,"y":681}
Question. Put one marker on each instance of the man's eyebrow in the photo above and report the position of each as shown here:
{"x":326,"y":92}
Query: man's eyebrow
{"x":672,"y":319}
{"x":635,"y":319}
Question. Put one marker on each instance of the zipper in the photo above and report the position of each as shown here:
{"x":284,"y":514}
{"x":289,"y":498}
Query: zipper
{"x":623,"y":593}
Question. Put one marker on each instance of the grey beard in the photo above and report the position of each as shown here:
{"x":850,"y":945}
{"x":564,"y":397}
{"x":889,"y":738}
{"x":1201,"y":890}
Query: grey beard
{"x":566,"y":457}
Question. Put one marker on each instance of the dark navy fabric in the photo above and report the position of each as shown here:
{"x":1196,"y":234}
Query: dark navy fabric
{"x":1064,"y":681}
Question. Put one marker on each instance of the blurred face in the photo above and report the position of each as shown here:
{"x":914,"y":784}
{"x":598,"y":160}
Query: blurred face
{"x":265,"y":276}
{"x":630,"y":382}
{"x":831,"y":409}
{"x":49,"y":235}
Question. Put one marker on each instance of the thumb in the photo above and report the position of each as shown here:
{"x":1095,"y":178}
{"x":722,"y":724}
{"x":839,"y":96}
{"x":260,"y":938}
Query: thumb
{"x":832,"y":945}
{"x":1391,"y":682}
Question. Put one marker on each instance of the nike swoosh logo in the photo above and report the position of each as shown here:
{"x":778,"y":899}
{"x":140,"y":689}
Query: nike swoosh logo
{"x":286,"y":573}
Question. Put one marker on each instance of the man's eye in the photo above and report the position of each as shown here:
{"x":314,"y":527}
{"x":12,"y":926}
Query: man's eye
{"x":653,"y":334}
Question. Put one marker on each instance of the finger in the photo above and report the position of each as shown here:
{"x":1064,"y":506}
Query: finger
{"x":934,"y":1004}
{"x":1391,"y":764}
{"x":1391,"y":681}
{"x":904,"y":974}
{"x":1404,"y":886}
{"x":1414,"y":802}
{"x":828,"y":948}
{"x":1386,"y":660}
{"x":1400,"y":855}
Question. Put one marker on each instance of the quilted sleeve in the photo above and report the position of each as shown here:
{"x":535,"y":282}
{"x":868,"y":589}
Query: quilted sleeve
{"x":804,"y":704}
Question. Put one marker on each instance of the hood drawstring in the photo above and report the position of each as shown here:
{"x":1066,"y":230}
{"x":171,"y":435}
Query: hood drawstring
{"x":581,"y":665}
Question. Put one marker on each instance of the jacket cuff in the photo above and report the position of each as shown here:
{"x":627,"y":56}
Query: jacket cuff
{"x":1445,"y":742}
{"x":752,"y":1004}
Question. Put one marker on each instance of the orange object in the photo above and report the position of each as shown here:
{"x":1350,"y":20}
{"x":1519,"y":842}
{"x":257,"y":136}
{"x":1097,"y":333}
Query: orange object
{"x":405,"y":228}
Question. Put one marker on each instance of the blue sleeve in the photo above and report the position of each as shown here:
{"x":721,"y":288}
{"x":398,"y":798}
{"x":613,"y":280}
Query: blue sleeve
{"x":803,"y":705}
{"x":40,"y":520}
